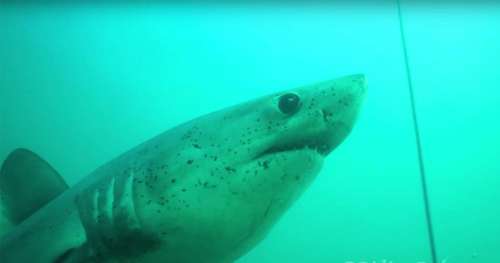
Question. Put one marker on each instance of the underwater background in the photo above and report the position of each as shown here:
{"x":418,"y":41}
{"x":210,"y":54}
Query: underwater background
{"x":81,"y":84}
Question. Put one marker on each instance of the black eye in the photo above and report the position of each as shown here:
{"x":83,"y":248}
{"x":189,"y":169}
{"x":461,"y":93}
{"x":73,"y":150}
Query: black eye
{"x":289,"y":103}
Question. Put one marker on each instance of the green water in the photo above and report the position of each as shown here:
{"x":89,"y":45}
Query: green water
{"x":82,"y":84}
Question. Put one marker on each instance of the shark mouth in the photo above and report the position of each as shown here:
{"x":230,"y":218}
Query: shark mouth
{"x":320,"y":144}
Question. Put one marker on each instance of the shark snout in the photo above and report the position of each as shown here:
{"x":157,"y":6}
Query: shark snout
{"x":340,"y":99}
{"x":339,"y":107}
{"x":351,"y":93}
{"x":355,"y":86}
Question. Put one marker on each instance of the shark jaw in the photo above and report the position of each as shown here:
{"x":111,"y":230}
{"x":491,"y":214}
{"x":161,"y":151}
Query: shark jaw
{"x":320,"y":142}
{"x":317,"y":145}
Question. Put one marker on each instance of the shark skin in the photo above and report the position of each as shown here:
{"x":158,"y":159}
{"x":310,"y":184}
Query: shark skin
{"x":206,"y":191}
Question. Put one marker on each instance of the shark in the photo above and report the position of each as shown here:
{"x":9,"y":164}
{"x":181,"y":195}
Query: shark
{"x":206,"y":191}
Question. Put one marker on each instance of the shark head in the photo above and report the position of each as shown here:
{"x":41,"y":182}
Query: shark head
{"x":234,"y":172}
{"x":277,"y":143}
{"x":313,"y":119}
{"x":296,"y":128}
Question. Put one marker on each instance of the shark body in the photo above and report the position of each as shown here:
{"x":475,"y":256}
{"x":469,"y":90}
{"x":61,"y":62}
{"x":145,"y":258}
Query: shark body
{"x":206,"y":191}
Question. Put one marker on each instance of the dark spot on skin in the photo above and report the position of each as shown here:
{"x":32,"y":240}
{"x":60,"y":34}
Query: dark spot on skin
{"x":325,"y":116}
{"x":173,"y":180}
{"x":184,"y":189}
{"x":198,"y":183}
{"x":196,"y":146}
{"x":230,"y":169}
{"x":265,"y":164}
{"x":190,"y":161}
{"x":297,"y":177}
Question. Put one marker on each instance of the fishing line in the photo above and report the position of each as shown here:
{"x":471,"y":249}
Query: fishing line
{"x":425,"y":193}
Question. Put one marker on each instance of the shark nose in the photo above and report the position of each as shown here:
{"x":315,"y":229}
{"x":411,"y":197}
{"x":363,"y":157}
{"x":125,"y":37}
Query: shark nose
{"x":360,"y":83}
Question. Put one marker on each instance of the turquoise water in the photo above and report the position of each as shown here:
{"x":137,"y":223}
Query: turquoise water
{"x":80,"y":85}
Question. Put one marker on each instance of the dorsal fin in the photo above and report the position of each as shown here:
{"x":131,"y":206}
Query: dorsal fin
{"x":27,"y":183}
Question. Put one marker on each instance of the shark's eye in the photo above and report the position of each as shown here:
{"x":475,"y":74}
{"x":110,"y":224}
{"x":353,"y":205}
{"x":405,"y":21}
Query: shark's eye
{"x":289,"y":103}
